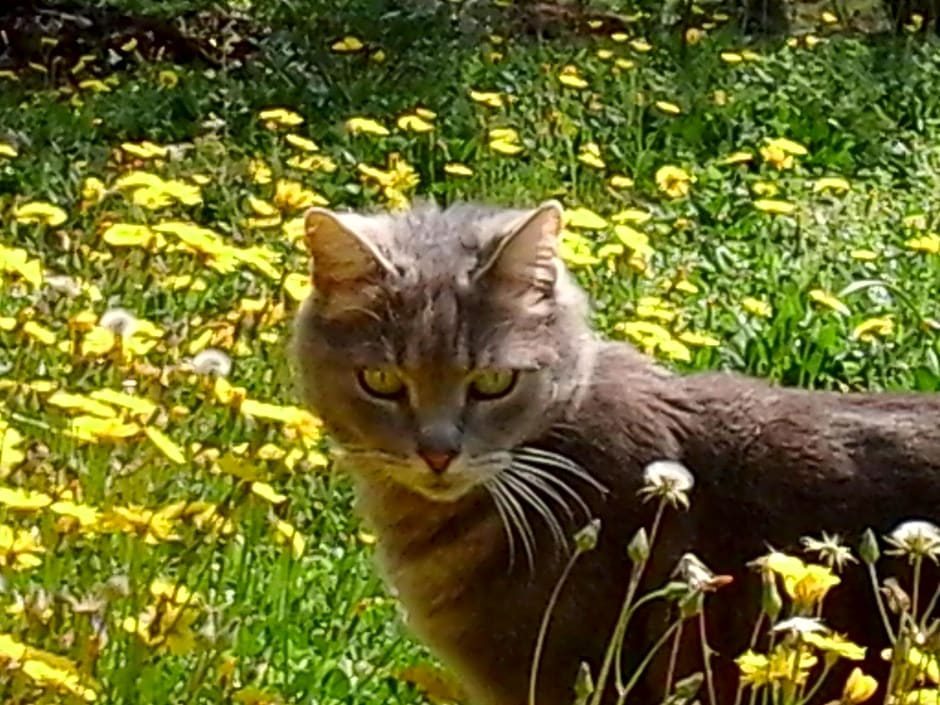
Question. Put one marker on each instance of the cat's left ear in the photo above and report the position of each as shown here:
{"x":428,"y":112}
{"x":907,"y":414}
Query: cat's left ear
{"x":526,"y":254}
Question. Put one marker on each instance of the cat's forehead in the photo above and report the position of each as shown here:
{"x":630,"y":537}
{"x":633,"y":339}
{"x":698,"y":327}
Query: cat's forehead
{"x":433,"y":244}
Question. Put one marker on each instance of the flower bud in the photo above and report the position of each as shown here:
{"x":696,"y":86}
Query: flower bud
{"x":770,"y":601}
{"x":586,"y":538}
{"x":858,"y":688}
{"x":639,"y":547}
{"x":868,"y":548}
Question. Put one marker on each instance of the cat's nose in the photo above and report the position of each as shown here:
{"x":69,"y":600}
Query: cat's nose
{"x":437,"y":460}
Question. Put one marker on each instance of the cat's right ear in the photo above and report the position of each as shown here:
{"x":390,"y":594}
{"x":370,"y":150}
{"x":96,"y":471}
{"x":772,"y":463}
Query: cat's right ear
{"x":345,"y":261}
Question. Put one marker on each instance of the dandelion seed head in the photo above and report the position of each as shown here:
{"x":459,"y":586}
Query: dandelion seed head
{"x":118,"y":320}
{"x":916,"y":538}
{"x":212,"y":362}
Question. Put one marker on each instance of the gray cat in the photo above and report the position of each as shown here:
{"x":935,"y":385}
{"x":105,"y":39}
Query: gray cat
{"x":450,"y":357}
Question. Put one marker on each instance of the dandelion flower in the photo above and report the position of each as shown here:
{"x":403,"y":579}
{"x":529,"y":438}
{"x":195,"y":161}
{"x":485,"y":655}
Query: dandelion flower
{"x":570,"y":77}
{"x":756,"y":307}
{"x":456,"y":169}
{"x":830,"y":550}
{"x":828,"y":300}
{"x":490,"y":99}
{"x":40,"y":212}
{"x":668,"y":479}
{"x":347,"y":45}
{"x":775,"y":207}
{"x":281,"y":116}
{"x":119,"y":321}
{"x":361,"y":125}
{"x":673,"y":181}
{"x":859,"y":687}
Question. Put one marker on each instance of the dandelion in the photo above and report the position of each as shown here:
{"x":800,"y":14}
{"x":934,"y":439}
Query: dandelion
{"x":736,"y":158}
{"x":915,"y":539}
{"x":456,"y":169}
{"x":212,"y":362}
{"x":669,"y":480}
{"x":859,"y":687}
{"x":289,"y":533}
{"x":414,"y":123}
{"x":835,"y":645}
{"x":926,"y":243}
{"x":347,"y":45}
{"x":673,"y":181}
{"x":40,"y":212}
{"x":570,"y":77}
{"x":667,"y":107}
{"x":19,"y":549}
{"x":504,"y":140}
{"x":831,"y":183}
{"x":490,"y":99}
{"x":301,"y":142}
{"x":7,"y":150}
{"x":23,"y":500}
{"x":824,"y":298}
{"x":292,"y":196}
{"x":641,"y":45}
{"x":776,"y":207}
{"x":619,"y":181}
{"x":781,"y":665}
{"x":698,"y":340}
{"x":583,"y":218}
{"x":281,"y":116}
{"x":368,"y":126}
{"x":806,"y":584}
{"x":145,"y":149}
{"x":119,"y":321}
{"x":756,"y":307}
{"x":872,"y":328}
{"x":590,"y":154}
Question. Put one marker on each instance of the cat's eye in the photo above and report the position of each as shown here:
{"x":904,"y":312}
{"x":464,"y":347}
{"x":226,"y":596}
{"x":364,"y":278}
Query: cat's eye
{"x":382,"y":382}
{"x":492,"y":384}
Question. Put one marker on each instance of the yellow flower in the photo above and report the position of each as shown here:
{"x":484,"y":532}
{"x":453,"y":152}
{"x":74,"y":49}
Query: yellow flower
{"x":359,"y":125}
{"x":152,"y":526}
{"x":347,"y":45}
{"x":826,"y":299}
{"x":570,"y":77}
{"x":668,"y":108}
{"x":292,"y":196}
{"x":641,"y":45}
{"x":145,"y":149}
{"x":776,"y":207}
{"x":268,"y":493}
{"x":831,"y":183}
{"x":590,"y":154}
{"x":583,"y":218}
{"x":19,"y":549}
{"x":287,"y":532}
{"x":634,"y":239}
{"x":7,"y":150}
{"x":731,"y":57}
{"x":673,"y":181}
{"x":40,"y":212}
{"x":414,"y":123}
{"x":697,"y":340}
{"x":131,"y":235}
{"x":783,"y":664}
{"x":806,"y":583}
{"x":166,"y":445}
{"x":168,"y":79}
{"x":23,"y":500}
{"x":619,"y":181}
{"x":281,"y":116}
{"x":929,"y":243}
{"x":167,"y":627}
{"x":86,"y":515}
{"x":301,"y":142}
{"x":39,"y":332}
{"x":489,"y":98}
{"x":869,"y":329}
{"x":740,"y":157}
{"x":297,"y":286}
{"x":836,"y":645}
{"x":456,"y":169}
{"x":756,"y":307}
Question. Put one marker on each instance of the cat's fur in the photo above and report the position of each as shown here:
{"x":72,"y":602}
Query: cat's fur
{"x":438,"y":292}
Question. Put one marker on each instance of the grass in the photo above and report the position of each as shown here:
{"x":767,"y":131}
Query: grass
{"x":813,"y":262}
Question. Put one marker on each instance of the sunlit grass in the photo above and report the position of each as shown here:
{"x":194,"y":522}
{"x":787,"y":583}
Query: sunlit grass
{"x":170,"y":529}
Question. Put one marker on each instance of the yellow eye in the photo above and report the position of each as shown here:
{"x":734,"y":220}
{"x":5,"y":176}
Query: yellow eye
{"x":492,"y":384}
{"x":382,"y":382}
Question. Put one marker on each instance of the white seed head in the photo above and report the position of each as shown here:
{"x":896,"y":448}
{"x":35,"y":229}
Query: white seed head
{"x":669,"y":480}
{"x":916,"y":538}
{"x":119,"y":321}
{"x":212,"y":362}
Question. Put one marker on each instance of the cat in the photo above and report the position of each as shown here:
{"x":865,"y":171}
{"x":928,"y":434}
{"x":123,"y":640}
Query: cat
{"x":450,"y":356}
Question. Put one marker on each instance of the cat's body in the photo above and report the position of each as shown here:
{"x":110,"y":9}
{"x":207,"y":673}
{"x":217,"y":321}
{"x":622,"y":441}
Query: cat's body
{"x":770,"y":465}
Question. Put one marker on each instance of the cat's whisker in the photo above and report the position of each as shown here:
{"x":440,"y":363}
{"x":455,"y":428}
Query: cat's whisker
{"x":528,"y":495}
{"x":537,"y":456}
{"x":493,"y":490}
{"x":547,"y":482}
{"x":516,"y":512}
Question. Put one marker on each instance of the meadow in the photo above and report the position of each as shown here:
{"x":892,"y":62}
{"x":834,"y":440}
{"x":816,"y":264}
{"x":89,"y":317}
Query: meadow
{"x":170,"y":528}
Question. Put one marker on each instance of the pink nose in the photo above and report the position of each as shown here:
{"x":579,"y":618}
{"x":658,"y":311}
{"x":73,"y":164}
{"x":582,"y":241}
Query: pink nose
{"x":437,"y":460}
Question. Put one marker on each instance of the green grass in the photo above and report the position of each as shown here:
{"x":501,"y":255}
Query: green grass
{"x":318,"y":626}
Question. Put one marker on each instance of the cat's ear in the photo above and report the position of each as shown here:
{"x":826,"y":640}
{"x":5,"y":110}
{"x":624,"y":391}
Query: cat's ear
{"x":526,"y":254}
{"x":344,"y":257}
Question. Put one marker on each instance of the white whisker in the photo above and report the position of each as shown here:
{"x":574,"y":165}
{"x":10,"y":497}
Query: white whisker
{"x":516,"y":512}
{"x":527,"y":494}
{"x":547,"y":482}
{"x":537,"y":456}
{"x":493,"y":490}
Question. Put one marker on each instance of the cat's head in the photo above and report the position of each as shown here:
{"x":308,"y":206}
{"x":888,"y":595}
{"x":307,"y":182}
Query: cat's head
{"x":437,"y":341}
